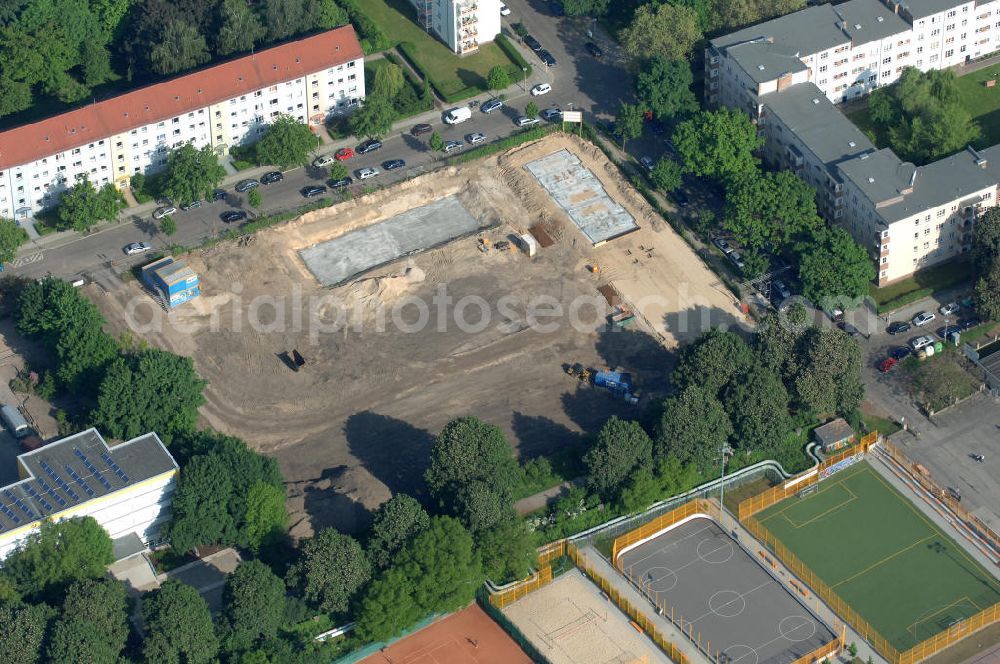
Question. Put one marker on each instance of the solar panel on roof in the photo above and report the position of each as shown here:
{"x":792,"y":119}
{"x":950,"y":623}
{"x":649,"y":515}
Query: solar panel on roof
{"x":72,"y":494}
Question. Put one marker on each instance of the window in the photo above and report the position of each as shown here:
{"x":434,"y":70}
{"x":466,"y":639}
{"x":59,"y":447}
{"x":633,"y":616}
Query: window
{"x":824,"y":56}
{"x":886,"y":61}
{"x":940,"y":212}
{"x":75,"y":151}
{"x":258,"y":93}
{"x":822,"y":68}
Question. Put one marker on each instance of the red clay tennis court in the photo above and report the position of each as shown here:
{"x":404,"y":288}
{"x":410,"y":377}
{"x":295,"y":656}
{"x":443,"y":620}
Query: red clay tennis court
{"x":467,"y":637}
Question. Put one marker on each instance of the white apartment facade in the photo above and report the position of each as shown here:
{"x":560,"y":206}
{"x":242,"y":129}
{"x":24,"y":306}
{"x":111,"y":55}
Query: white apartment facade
{"x":461,"y":24}
{"x":127,"y":488}
{"x":226,"y":105}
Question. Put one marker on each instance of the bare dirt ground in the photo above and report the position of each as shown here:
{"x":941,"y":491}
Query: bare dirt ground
{"x":356,"y":423}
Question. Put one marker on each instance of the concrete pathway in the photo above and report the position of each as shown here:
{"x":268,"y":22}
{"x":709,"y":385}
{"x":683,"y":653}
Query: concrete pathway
{"x":539,"y":500}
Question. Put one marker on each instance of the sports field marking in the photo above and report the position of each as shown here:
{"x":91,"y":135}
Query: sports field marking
{"x":884,"y":560}
{"x":668,"y":546}
{"x":912,"y":629}
{"x":823,"y":514}
{"x":739,"y":597}
{"x":792,"y":503}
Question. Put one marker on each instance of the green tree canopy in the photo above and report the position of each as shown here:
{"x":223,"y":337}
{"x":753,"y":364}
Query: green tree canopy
{"x":628,"y":123}
{"x":531,"y":109}
{"x":265,"y":517}
{"x":986,"y":295}
{"x":395,"y":522}
{"x":435,"y":143}
{"x":664,"y":87}
{"x":667,"y":175}
{"x":82,"y":206}
{"x":199,"y":509}
{"x":254,"y":600}
{"x":719,"y":145}
{"x":181,"y":46}
{"x":152,"y":390}
{"x":192,"y":173}
{"x":239,"y":27}
{"x":179,"y":626}
{"x":712,"y":361}
{"x":286,"y":143}
{"x":732,"y":14}
{"x":374,"y":118}
{"x":466,"y":450}
{"x":388,"y":606}
{"x":508,"y":551}
{"x":986,"y":240}
{"x":830,"y":378}
{"x":330,"y":571}
{"x":22,"y":632}
{"x":12,"y":237}
{"x":775,"y":209}
{"x":93,"y":626}
{"x":497,"y":78}
{"x":620,"y":447}
{"x":388,"y":81}
{"x":835,"y":267}
{"x":586,"y":7}
{"x":338,"y":171}
{"x":481,"y":507}
{"x":694,"y":427}
{"x":778,"y":338}
{"x":666,"y":30}
{"x":757,"y":404}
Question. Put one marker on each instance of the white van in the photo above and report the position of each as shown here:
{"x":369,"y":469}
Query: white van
{"x":457,"y":115}
{"x":14,"y":421}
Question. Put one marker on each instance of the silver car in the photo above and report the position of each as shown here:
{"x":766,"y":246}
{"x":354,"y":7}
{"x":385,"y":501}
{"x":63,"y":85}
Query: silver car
{"x":476,"y":139}
{"x":920,"y":342}
{"x":365,"y":173}
{"x":923,"y":318}
{"x":161,"y":212}
{"x":136,"y":248}
{"x":452,"y":146}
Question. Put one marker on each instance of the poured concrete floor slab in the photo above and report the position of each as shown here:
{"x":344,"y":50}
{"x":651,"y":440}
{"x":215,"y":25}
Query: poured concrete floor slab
{"x":578,"y":191}
{"x":345,"y":257}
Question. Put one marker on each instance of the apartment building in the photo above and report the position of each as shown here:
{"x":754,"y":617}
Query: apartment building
{"x":461,"y":24}
{"x":126,"y":487}
{"x":225,"y":105}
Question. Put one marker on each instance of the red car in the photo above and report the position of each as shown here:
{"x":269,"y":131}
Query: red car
{"x":887,"y":364}
{"x":343,"y":154}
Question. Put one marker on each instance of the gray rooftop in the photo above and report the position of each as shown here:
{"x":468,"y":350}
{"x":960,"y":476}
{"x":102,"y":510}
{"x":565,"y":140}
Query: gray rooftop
{"x":868,"y":20}
{"x":886,"y":180}
{"x":820,"y":125}
{"x":922,"y":8}
{"x":833,"y":431}
{"x":69,"y":472}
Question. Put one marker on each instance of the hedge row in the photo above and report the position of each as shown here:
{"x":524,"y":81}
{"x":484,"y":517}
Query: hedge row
{"x":511,"y":51}
{"x":371,"y":36}
{"x":514,"y":140}
{"x":905,"y":299}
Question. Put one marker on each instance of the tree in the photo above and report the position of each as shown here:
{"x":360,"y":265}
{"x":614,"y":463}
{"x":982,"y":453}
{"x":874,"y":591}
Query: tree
{"x":986,"y":295}
{"x":620,"y":448}
{"x":254,"y":600}
{"x":719,"y":145}
{"x":74,"y":640}
{"x":180,"y":47}
{"x":83,"y":206}
{"x":531,"y":109}
{"x":12,"y":237}
{"x":329,"y":15}
{"x":338,"y":171}
{"x":778,"y":339}
{"x":481,"y":507}
{"x":593,"y":8}
{"x":830,"y":378}
{"x":986,"y":240}
{"x":666,"y":175}
{"x":22,"y":632}
{"x":254,"y":198}
{"x":265,"y":517}
{"x":775,"y":209}
{"x":388,"y":606}
{"x":94,"y":624}
{"x":179,"y":626}
{"x":835,"y":267}
{"x":388,"y":81}
{"x":286,"y":143}
{"x":168,"y":226}
{"x":508,"y":551}
{"x":628,"y":123}
{"x":395,"y":522}
{"x":668,"y":31}
{"x":239,"y":27}
{"x":200,"y":513}
{"x":712,"y":361}
{"x":151,"y":390}
{"x":466,"y":450}
{"x":739,"y":13}
{"x":436,"y":143}
{"x":757,"y":404}
{"x":58,"y":554}
{"x":331,"y":569}
{"x":374,"y":118}
{"x":664,"y":86}
{"x":694,"y":427}
{"x":442,"y":566}
{"x":497,"y":79}
{"x":192,"y":173}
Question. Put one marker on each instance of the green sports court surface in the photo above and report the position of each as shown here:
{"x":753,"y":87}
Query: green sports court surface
{"x":882,"y":556}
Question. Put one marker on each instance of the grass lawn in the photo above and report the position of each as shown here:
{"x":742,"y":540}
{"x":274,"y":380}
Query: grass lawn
{"x":876,"y":550}
{"x":454,"y":77}
{"x":939,"y":381}
{"x":920,"y":284}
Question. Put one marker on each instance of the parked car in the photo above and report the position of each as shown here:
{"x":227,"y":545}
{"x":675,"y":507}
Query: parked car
{"x":594,"y":49}
{"x":969,"y":323}
{"x":365,"y":173}
{"x":232,"y":216}
{"x":736,"y":258}
{"x":547,"y":58}
{"x":945,"y":330}
{"x":325,"y":160}
{"x":848,"y":328}
{"x":368,"y":146}
{"x":525,"y":121}
{"x":552,"y":114}
{"x":887,"y":364}
{"x":244,"y":186}
{"x":313,"y":190}
{"x":421,"y":129}
{"x":219,"y":195}
{"x":136,"y":248}
{"x":504,"y":10}
{"x":541,"y":89}
{"x":916,"y":343}
{"x":393,"y":164}
{"x":722,"y":245}
{"x":923,"y":318}
{"x":900,"y":352}
{"x":949,"y":309}
{"x":898,"y":327}
{"x":193,"y":205}
{"x":343,"y":154}
{"x":476,"y":139}
{"x":271,"y":177}
{"x":781,"y":290}
{"x":648,"y":162}
{"x":532,"y":43}
{"x":451,"y":146}
{"x":342,"y":182}
{"x":163,"y":211}
{"x":491,"y":105}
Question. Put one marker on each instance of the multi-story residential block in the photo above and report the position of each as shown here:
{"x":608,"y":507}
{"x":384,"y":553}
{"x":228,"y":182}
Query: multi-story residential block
{"x":127,"y":487}
{"x":461,"y":24}
{"x":223,"y":106}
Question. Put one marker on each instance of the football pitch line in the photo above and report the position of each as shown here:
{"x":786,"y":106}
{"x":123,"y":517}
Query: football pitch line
{"x":822,"y":514}
{"x":884,"y":560}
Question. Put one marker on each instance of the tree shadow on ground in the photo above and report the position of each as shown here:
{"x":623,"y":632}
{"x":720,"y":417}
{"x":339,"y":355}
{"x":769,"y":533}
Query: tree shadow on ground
{"x":536,"y":435}
{"x":636,"y":352}
{"x":471,"y":79}
{"x":689,"y":324}
{"x":590,"y":407}
{"x":328,"y":508}
{"x":394,"y":452}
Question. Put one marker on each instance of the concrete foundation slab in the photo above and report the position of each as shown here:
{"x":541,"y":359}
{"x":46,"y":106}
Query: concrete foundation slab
{"x":578,"y":191}
{"x":419,"y":229}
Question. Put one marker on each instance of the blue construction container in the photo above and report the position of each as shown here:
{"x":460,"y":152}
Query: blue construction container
{"x":615,"y":381}
{"x":173,"y":280}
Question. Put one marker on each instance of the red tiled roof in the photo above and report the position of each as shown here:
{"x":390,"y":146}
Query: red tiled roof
{"x":171,"y":98}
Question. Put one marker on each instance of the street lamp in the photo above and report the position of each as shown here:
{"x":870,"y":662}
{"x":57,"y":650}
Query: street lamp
{"x":726,"y":450}
{"x":524,"y":79}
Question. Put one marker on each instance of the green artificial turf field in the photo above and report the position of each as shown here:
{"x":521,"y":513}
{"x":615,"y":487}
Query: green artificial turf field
{"x":882,"y":556}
